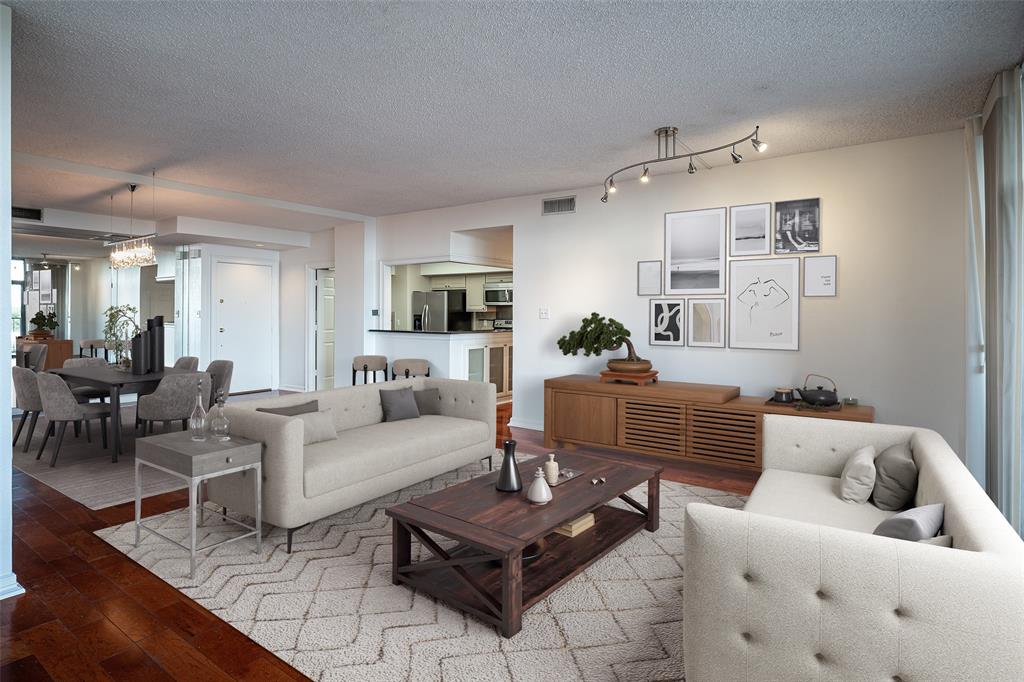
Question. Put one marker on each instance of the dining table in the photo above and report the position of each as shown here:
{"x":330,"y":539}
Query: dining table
{"x":116,"y":381}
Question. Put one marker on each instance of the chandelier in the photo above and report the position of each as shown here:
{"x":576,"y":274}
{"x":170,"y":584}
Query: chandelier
{"x":136,"y":252}
{"x":667,"y":152}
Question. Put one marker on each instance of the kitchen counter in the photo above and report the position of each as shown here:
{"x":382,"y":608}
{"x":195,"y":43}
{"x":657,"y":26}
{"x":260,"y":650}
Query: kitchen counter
{"x":452,"y":355}
{"x":461,"y":331}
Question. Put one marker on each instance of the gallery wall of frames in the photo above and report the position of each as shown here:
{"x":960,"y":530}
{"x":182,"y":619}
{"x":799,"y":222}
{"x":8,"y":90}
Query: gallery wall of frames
{"x":731,"y":276}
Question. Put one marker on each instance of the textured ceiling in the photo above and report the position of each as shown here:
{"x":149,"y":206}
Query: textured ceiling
{"x":380,"y":108}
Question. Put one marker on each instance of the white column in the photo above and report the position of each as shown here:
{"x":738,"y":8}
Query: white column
{"x":8,"y":581}
{"x":349,"y":284}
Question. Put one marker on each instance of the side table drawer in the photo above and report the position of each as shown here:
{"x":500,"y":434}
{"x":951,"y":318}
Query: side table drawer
{"x":177,"y":452}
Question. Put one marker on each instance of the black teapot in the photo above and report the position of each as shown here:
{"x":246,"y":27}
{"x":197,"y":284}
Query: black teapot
{"x":819,"y":397}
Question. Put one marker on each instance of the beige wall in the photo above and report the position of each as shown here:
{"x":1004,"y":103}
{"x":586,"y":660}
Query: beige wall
{"x":893,"y":212}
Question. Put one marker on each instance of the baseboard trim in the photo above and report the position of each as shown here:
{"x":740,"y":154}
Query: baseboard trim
{"x":9,"y":586}
{"x":294,"y":389}
{"x":525,"y":424}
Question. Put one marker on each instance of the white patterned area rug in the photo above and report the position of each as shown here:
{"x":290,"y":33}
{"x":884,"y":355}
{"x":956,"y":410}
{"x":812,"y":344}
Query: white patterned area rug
{"x":331,"y":611}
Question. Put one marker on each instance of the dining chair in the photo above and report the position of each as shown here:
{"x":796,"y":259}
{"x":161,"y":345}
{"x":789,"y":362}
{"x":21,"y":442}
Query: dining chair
{"x":187,"y":362}
{"x":26,"y":397}
{"x":61,"y":407}
{"x":87,"y":393}
{"x":32,"y":356}
{"x":173,"y":400}
{"x":220,"y":372}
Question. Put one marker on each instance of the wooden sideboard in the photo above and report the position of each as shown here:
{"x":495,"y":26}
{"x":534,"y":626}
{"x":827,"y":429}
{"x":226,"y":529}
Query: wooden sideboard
{"x":699,"y":422}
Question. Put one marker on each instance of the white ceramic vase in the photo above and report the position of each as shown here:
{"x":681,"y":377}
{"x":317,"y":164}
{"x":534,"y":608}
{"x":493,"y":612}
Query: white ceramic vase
{"x":551,"y":469}
{"x":540,"y":491}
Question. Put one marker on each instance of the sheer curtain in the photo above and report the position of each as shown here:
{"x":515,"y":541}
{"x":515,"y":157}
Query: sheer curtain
{"x":1004,"y":293}
{"x":974,"y":405}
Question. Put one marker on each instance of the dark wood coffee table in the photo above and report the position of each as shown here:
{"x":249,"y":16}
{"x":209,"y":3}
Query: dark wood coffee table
{"x":485,"y":574}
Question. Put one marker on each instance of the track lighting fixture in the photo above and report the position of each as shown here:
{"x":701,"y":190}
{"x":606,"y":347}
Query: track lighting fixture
{"x":667,"y":143}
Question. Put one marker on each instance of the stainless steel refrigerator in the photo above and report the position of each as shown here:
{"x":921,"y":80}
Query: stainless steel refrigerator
{"x":431,"y":310}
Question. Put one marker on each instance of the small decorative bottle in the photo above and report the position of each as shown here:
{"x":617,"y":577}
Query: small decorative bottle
{"x":197,"y":422}
{"x":217,"y":420}
{"x":551,"y":469}
{"x":539,"y":492}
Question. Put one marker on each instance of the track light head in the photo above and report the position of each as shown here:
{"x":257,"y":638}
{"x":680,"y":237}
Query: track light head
{"x":604,"y":198}
{"x":692,"y":169}
{"x":756,"y":142}
{"x":645,"y":178}
{"x":611,"y":186}
{"x":736,"y":158}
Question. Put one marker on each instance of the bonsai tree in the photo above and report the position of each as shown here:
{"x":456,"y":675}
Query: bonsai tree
{"x":43,"y":320}
{"x":120,"y":327}
{"x":597,"y":334}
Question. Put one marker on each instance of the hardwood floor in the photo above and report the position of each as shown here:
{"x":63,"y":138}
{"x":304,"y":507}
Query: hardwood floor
{"x":91,"y":613}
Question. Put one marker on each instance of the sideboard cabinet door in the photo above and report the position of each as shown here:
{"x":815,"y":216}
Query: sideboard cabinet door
{"x":584,"y":418}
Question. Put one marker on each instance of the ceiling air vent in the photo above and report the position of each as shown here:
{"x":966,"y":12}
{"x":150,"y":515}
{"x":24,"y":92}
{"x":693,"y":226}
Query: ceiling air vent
{"x":22,"y":213}
{"x":558,"y":205}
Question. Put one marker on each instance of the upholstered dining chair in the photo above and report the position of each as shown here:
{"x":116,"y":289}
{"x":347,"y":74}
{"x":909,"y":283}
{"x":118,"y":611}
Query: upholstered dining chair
{"x":32,"y":356}
{"x":410,"y":367}
{"x":173,"y":400}
{"x":187,"y":362}
{"x":61,"y":407}
{"x":220,"y":372}
{"x":87,"y":393}
{"x":26,"y":397}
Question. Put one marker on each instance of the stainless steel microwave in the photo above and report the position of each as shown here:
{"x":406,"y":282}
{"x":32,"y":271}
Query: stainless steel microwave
{"x":501,"y":296}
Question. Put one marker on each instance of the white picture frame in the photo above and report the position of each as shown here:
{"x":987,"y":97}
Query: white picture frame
{"x":750,"y":230}
{"x":764,"y":304}
{"x":695,"y":252}
{"x":667,"y":323}
{"x":705,"y":322}
{"x":821,"y":276}
{"x":648,"y":278}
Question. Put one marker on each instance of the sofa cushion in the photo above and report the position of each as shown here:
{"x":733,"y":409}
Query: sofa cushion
{"x":895,"y":478}
{"x":428,"y":401}
{"x":369,"y":451}
{"x":919,"y":523}
{"x":398,"y":404}
{"x":858,"y":477}
{"x":812,"y":499}
{"x":317,"y":427}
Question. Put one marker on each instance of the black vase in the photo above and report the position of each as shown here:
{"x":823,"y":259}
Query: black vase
{"x":508,"y":478}
{"x":156,"y":343}
{"x":140,"y":353}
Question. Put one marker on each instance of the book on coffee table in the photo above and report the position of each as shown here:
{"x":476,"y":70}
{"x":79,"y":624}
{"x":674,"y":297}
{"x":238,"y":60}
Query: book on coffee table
{"x":576,"y":526}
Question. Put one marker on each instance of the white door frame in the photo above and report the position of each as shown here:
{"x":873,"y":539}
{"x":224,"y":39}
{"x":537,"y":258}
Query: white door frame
{"x":310,"y":366}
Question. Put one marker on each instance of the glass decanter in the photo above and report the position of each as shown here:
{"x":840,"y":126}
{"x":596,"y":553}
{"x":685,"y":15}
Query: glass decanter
{"x":197,"y":422}
{"x":217,"y":420}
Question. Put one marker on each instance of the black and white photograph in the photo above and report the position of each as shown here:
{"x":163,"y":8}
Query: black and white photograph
{"x":705,"y":322}
{"x":798,"y":226}
{"x":695,"y":252}
{"x":751,"y":230}
{"x":668,"y":322}
{"x":764,"y":304}
{"x":648,"y":278}
{"x":821,"y":277}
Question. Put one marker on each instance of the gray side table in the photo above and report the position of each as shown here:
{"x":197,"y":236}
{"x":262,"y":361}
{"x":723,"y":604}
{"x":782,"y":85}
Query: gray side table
{"x":197,"y":461}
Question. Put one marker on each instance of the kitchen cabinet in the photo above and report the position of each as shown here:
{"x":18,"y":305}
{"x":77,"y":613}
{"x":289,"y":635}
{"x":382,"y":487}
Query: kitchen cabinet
{"x":498,"y":278}
{"x":448,"y":282}
{"x":475,"y":293}
{"x":476,"y":363}
{"x":491,"y":362}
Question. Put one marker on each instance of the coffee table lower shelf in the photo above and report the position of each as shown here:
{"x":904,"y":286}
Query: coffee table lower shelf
{"x":474,"y":581}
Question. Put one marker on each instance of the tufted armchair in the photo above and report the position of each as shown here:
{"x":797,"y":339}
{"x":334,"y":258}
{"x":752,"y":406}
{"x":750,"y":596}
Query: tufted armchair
{"x":771,"y":597}
{"x":173,"y":400}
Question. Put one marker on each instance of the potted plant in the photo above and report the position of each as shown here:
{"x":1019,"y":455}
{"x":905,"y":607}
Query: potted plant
{"x":119,"y":330}
{"x":597,"y":334}
{"x":44,"y":324}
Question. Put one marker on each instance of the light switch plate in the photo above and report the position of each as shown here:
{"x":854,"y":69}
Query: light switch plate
{"x":544,"y":313}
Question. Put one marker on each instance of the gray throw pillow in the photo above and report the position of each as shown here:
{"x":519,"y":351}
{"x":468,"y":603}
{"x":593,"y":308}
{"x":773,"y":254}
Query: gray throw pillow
{"x":292,"y":410}
{"x":938,"y":540}
{"x":858,"y":478}
{"x":398,"y":404}
{"x":914,"y":524}
{"x":317,"y":427}
{"x":895,"y":478}
{"x":428,"y":401}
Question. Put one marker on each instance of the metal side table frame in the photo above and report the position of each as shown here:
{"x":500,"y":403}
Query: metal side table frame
{"x":194,"y":504}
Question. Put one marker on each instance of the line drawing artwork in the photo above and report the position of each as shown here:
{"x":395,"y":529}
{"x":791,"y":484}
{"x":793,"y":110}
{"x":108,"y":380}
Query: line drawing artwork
{"x":766,"y":295}
{"x":765,"y":304}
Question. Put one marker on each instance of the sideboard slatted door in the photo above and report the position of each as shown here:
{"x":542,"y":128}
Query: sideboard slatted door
{"x":724,"y":436}
{"x":651,"y":427}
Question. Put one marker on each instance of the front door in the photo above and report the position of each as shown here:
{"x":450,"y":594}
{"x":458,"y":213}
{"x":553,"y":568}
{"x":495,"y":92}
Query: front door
{"x":242,"y":326}
{"x":324,"y":328}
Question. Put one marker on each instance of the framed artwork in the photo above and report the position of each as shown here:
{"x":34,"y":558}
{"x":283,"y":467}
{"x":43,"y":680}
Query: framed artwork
{"x":821,"y":277}
{"x":668,"y":322}
{"x":798,"y":226}
{"x":764,"y":304}
{"x":695,"y":252}
{"x":751,"y":230}
{"x":45,"y":297}
{"x":705,"y":322}
{"x":648,"y":278}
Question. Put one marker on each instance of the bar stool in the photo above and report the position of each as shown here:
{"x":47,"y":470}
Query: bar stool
{"x":367,"y":364}
{"x":92,"y":347}
{"x":410,"y":367}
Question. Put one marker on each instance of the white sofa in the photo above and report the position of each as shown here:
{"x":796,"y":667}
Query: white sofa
{"x":370,"y":458}
{"x":795,"y":586}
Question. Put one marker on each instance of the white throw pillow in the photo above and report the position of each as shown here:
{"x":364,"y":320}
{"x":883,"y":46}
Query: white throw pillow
{"x":317,"y":427}
{"x":858,"y":478}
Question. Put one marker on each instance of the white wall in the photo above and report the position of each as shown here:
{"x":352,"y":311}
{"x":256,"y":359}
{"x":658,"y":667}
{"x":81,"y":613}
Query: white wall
{"x":295,"y":325}
{"x":892,"y":211}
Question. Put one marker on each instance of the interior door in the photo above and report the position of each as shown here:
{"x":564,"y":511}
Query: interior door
{"x":242,"y":323}
{"x":325,"y":328}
